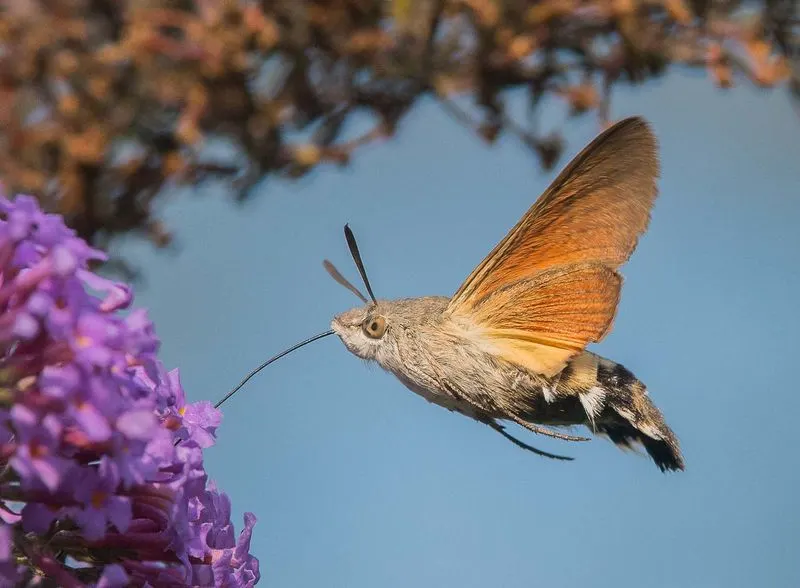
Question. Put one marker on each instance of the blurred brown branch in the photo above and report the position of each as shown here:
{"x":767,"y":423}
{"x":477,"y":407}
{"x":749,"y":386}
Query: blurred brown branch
{"x":102,"y":102}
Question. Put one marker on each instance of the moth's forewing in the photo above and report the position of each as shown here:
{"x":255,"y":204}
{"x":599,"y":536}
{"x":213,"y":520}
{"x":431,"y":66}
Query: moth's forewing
{"x":551,"y":285}
{"x":541,"y":322}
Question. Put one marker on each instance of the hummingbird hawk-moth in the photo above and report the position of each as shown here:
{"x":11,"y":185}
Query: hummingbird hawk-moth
{"x":510,"y":344}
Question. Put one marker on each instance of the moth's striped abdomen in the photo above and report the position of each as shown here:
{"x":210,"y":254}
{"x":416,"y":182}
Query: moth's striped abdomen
{"x":617,"y":405}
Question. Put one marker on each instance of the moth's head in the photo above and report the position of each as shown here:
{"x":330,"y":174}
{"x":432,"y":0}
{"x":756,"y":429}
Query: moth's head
{"x":364,"y":330}
{"x":379,"y":330}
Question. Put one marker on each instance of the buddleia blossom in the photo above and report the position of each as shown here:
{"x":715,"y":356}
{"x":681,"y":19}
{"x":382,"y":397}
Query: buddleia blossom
{"x":102,"y":480}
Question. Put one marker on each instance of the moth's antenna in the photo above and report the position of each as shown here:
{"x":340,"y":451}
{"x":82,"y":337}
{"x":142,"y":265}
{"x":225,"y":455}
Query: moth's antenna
{"x":351,"y":243}
{"x":334,"y":273}
{"x":269,"y":361}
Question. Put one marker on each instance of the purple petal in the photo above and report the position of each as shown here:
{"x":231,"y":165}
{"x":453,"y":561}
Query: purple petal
{"x":25,"y":326}
{"x":174,"y":379}
{"x":141,"y":332}
{"x":92,"y":421}
{"x":105,"y":395}
{"x":203,"y":414}
{"x":19,"y":225}
{"x":198,"y":545}
{"x":202,"y":575}
{"x":223,"y":505}
{"x":49,"y":472}
{"x":37,"y":518}
{"x":41,"y":467}
{"x":243,"y":544}
{"x":137,"y":424}
{"x":64,"y":262}
{"x":161,"y":447}
{"x":93,"y":523}
{"x":22,"y":465}
{"x":119,"y":512}
{"x":222,"y":537}
{"x":109,"y":471}
{"x":23,"y":416}
{"x":97,"y":355}
{"x":5,"y":543}
{"x":118,"y":298}
{"x":59,"y":382}
{"x":39,"y":303}
{"x":195,"y":508}
{"x":52,"y":425}
{"x":114,"y":576}
{"x":51,"y":230}
{"x":223,"y":571}
{"x":27,"y":205}
{"x":118,"y":295}
{"x":202,"y":437}
{"x":248,"y":575}
{"x":97,"y":327}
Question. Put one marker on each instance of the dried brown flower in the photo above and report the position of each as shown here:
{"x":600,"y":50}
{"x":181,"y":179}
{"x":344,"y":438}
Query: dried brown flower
{"x":103,"y":101}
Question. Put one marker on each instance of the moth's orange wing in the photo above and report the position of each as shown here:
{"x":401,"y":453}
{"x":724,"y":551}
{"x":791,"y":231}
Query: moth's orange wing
{"x":595,"y":210}
{"x":541,"y":322}
{"x":585,"y":225}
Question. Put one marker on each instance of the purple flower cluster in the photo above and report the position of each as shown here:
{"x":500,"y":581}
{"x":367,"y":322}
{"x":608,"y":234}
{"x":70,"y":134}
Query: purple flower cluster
{"x":101,"y":458}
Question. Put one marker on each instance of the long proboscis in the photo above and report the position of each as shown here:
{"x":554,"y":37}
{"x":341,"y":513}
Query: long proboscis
{"x":351,"y":243}
{"x":269,"y":361}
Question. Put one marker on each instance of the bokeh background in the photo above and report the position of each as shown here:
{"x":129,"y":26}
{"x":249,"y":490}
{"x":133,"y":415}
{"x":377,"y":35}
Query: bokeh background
{"x":357,"y":482}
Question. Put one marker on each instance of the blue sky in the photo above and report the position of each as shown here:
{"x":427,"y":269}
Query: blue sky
{"x":357,"y":482}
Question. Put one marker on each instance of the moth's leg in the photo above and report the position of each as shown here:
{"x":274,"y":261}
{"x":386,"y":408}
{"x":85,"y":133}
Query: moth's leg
{"x":547,"y":432}
{"x":500,"y":429}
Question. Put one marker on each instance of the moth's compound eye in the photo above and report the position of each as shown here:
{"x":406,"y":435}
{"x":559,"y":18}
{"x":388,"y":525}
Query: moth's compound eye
{"x":374,"y":327}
